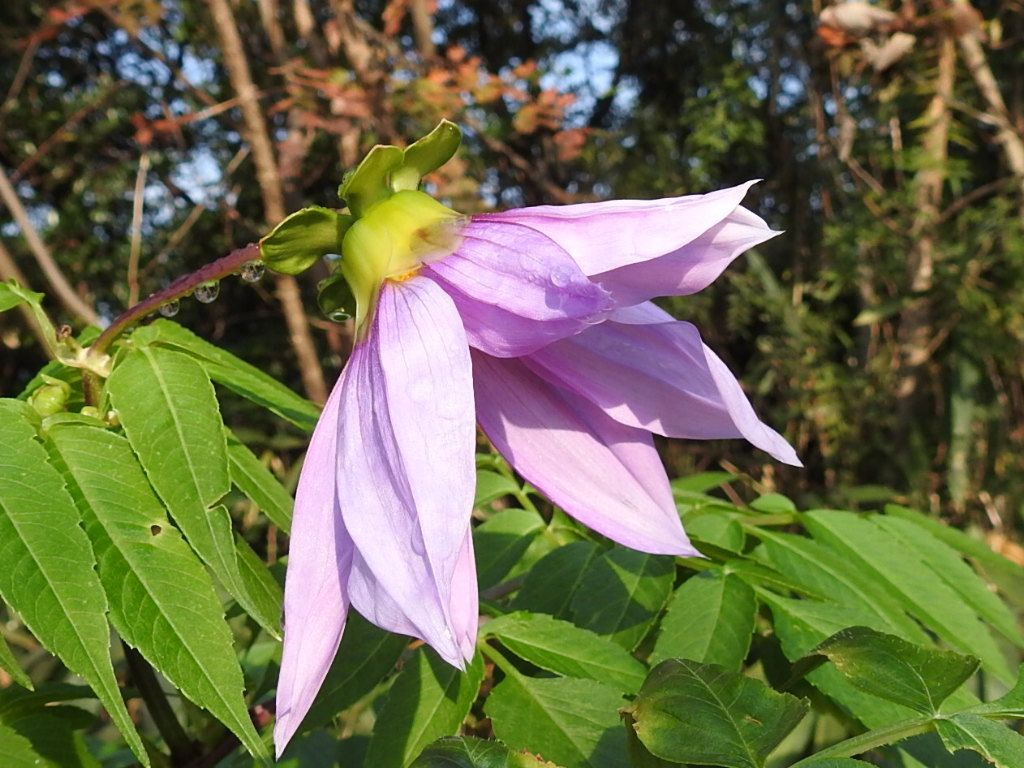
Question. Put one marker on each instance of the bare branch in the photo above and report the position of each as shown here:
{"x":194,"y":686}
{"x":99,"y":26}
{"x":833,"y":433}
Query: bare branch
{"x":136,"y":247}
{"x":272,"y":190}
{"x":58,"y":283}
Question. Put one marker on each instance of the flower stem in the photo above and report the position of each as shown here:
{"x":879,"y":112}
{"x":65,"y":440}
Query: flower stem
{"x":182,"y":748}
{"x":178,"y":289}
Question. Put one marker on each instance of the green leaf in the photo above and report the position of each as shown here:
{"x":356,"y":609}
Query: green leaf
{"x":689,"y":712}
{"x":712,"y":527}
{"x":803,"y":624}
{"x":947,"y":564}
{"x":428,"y":699}
{"x":474,"y":753}
{"x":10,"y":665}
{"x":552,"y":582}
{"x":169,"y":412}
{"x":891,"y":668}
{"x":773,"y":504}
{"x":13,"y":295}
{"x":17,"y":750}
{"x":303,"y":238}
{"x":366,"y":654}
{"x":55,"y":734}
{"x":703,"y":481}
{"x":574,"y":723}
{"x":48,"y":575}
{"x":429,"y":153}
{"x":162,"y":601}
{"x":500,"y":543}
{"x":1008,"y":575}
{"x":370,"y":182}
{"x":1010,"y":705}
{"x":825,"y":572}
{"x":491,"y":486}
{"x":252,"y":478}
{"x":565,"y":649}
{"x":1000,"y":745}
{"x":835,"y":762}
{"x":904,"y":574}
{"x":621,"y":594}
{"x":232,"y":372}
{"x":710,"y":619}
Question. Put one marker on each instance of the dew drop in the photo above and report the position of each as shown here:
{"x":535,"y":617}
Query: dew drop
{"x":417,"y":545}
{"x":207,"y":292}
{"x":170,"y":309}
{"x":338,"y":316}
{"x":560,"y":277}
{"x":252,"y":271}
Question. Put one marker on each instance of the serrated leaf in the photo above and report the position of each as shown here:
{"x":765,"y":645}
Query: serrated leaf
{"x":491,"y":486}
{"x":904,"y":575}
{"x":500,"y":543}
{"x":998,"y":744}
{"x":575,"y":723}
{"x":257,"y":482}
{"x":474,"y":753}
{"x":232,"y":372}
{"x":947,"y":564}
{"x":169,"y":412}
{"x":711,"y":619}
{"x":621,"y":594}
{"x":10,"y":665}
{"x":835,"y":762}
{"x":688,"y":712}
{"x":18,"y":752}
{"x":366,"y":654}
{"x":48,"y":575}
{"x":1010,"y":705}
{"x":551,"y":583}
{"x":162,"y":601}
{"x":565,"y":649}
{"x":825,"y":572}
{"x":891,"y":668}
{"x":1008,"y":575}
{"x":802,"y":624}
{"x":429,"y":699}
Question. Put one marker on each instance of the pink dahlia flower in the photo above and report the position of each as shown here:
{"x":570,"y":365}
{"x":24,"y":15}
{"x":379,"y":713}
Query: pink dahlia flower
{"x":535,"y":324}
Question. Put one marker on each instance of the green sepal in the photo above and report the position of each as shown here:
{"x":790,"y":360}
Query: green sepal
{"x":294,"y":245}
{"x":335,"y":297}
{"x":388,"y":169}
{"x":428,"y":154}
{"x":370,"y":182}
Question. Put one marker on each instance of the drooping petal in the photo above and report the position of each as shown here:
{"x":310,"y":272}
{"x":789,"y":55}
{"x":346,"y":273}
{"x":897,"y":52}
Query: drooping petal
{"x":603,"y":473}
{"x":692,"y":267}
{"x":516,"y":289}
{"x":605,"y":236}
{"x":647,"y":370}
{"x":406,"y":463}
{"x":315,"y":591}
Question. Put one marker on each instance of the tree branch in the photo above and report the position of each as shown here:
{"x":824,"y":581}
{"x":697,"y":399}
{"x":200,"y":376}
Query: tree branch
{"x":272,"y":190}
{"x":63,"y":290}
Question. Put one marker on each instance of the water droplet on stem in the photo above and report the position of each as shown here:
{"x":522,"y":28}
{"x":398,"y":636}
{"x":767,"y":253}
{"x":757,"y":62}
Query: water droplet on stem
{"x":207,"y":293}
{"x":252,"y":271}
{"x":170,"y":309}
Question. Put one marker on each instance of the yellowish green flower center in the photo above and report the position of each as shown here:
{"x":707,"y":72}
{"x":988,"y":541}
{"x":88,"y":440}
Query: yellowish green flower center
{"x":391,"y":241}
